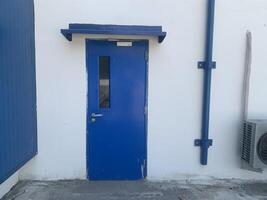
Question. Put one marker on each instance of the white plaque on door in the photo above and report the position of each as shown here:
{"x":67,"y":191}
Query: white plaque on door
{"x":124,"y":44}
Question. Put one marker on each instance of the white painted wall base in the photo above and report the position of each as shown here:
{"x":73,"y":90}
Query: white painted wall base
{"x":8,"y":184}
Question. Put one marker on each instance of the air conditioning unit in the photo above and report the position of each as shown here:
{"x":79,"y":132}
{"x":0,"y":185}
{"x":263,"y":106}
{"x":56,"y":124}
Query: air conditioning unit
{"x":254,"y":145}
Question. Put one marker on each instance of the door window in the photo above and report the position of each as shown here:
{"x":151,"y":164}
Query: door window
{"x":104,"y":81}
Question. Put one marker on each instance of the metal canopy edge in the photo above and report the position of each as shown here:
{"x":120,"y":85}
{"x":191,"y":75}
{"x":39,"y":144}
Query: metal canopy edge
{"x":114,"y":30}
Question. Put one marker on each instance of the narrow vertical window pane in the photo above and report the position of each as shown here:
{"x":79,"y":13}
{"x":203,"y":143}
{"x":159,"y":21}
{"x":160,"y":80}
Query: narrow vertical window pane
{"x":104,"y":82}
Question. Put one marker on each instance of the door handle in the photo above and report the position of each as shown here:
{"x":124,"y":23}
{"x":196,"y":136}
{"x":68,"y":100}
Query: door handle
{"x":95,"y":115}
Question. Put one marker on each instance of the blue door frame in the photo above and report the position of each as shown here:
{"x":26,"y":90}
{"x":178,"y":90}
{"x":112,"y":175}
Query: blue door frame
{"x":117,"y":133}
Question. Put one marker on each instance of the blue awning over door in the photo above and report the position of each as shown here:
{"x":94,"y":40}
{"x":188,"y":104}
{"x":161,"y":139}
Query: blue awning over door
{"x":155,"y":31}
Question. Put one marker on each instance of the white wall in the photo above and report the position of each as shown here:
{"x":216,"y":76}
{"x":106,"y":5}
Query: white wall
{"x":175,"y":84}
{"x":8,"y":184}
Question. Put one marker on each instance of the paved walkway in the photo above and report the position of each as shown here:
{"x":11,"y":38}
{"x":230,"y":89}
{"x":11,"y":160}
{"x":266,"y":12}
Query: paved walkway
{"x":143,"y":190}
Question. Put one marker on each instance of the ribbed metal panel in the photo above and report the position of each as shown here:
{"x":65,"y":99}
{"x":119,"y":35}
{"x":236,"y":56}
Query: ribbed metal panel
{"x":248,"y":133}
{"x":18,"y":134}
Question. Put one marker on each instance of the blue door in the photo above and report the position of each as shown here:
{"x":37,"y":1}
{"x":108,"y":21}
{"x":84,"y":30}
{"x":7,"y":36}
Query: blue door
{"x":116,"y":116}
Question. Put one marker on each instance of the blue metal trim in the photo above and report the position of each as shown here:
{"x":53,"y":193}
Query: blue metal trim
{"x":114,"y":30}
{"x":18,"y":119}
{"x":207,"y":65}
{"x":146,"y":111}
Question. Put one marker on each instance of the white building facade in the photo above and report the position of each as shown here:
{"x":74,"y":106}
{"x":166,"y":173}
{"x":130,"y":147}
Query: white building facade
{"x":175,"y":85}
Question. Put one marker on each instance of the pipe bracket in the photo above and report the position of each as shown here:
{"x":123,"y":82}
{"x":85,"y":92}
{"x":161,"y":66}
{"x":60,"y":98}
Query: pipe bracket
{"x":203,"y":65}
{"x":203,"y":143}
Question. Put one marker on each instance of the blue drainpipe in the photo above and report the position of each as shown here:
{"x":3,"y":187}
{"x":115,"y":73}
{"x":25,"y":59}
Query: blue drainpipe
{"x":204,"y":143}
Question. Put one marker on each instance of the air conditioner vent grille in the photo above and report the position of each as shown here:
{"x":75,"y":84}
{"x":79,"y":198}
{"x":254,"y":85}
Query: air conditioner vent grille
{"x":248,"y":130}
{"x":262,"y":148}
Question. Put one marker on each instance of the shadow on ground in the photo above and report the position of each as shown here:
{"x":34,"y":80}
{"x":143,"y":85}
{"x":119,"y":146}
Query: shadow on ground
{"x":145,"y":190}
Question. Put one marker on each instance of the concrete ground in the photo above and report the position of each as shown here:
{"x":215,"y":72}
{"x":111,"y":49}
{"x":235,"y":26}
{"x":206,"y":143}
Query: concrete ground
{"x":142,"y":190}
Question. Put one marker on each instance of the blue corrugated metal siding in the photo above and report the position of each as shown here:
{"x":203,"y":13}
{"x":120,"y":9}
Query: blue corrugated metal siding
{"x":18,"y":132}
